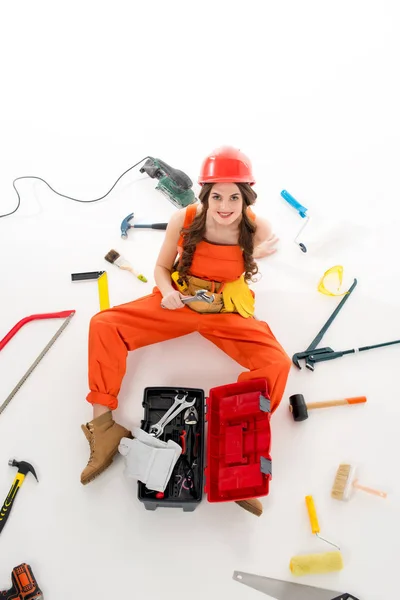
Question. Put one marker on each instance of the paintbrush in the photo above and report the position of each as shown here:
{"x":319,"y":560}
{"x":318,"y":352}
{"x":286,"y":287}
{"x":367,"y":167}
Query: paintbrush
{"x":116,"y":259}
{"x":345,"y":481}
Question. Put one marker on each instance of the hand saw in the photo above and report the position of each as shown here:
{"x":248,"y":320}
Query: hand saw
{"x":285,"y":590}
{"x":66,"y":314}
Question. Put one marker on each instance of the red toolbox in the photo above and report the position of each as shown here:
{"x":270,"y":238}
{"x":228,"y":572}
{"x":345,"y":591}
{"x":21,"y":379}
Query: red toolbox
{"x":237,"y":449}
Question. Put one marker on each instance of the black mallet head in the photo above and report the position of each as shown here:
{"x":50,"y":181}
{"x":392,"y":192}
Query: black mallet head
{"x":23,"y":467}
{"x":298,"y":407}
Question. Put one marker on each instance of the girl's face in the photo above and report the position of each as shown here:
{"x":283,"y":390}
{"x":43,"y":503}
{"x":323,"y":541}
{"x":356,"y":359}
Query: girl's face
{"x":225,"y":203}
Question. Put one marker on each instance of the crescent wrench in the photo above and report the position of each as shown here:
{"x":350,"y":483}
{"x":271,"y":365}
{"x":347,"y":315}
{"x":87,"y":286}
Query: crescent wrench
{"x":199,"y":295}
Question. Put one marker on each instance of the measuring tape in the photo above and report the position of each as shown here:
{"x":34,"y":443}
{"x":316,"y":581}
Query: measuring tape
{"x":69,"y":314}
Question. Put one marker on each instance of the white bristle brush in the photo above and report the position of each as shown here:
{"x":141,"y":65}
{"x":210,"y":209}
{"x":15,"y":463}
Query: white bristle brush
{"x":345,"y":482}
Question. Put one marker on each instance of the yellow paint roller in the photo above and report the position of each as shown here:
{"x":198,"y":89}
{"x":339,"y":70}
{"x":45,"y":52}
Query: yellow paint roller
{"x":313,"y":564}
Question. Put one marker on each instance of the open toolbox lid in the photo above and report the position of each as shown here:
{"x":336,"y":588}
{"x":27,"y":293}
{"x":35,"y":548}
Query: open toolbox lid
{"x":238,"y":447}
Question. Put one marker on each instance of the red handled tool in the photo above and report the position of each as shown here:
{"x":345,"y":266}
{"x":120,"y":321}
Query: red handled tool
{"x":66,"y":314}
{"x":57,"y":315}
{"x":182,"y":437}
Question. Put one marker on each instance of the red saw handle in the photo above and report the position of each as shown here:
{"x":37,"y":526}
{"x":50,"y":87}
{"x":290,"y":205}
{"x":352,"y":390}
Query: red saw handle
{"x":57,"y":315}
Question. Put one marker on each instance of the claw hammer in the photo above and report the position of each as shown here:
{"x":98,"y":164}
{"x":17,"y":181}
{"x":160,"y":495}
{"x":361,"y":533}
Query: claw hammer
{"x":126,"y":225}
{"x":23,"y":469}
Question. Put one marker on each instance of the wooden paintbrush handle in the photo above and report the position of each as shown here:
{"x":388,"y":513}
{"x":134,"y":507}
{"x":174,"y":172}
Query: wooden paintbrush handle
{"x":135,"y":273}
{"x":329,"y":403}
{"x":369,"y":490}
{"x":128,"y":268}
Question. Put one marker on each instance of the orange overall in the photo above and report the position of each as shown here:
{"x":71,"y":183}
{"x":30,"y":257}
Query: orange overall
{"x":250,"y":342}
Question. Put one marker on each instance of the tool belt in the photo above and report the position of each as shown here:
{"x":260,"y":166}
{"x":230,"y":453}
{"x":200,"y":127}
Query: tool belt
{"x":233,"y":296}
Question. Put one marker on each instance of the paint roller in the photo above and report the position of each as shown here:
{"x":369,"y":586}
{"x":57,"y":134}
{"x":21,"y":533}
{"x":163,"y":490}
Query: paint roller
{"x":315,"y":564}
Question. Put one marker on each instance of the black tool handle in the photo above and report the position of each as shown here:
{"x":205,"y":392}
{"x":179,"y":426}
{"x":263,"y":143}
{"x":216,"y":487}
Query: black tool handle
{"x":322,"y":356}
{"x":314,"y":358}
{"x":323,"y":330}
{"x":345,"y":597}
{"x":8,"y":503}
{"x":378,"y":345}
{"x":85,"y":276}
{"x":151,"y":226}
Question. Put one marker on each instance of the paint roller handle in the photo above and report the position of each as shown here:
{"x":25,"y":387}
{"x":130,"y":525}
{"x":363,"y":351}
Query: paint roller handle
{"x":312,"y":514}
{"x":302,"y":210}
{"x":57,"y":315}
{"x":330,"y":403}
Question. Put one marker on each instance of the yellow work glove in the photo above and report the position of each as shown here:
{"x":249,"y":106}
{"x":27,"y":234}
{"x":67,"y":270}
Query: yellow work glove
{"x":238,"y":297}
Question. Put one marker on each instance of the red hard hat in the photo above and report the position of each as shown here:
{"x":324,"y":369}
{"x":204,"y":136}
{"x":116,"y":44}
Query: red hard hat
{"x":226,"y":165}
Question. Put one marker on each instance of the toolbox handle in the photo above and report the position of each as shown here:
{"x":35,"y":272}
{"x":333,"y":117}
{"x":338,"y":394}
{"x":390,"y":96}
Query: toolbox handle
{"x":266,"y":466}
{"x":265,"y":404}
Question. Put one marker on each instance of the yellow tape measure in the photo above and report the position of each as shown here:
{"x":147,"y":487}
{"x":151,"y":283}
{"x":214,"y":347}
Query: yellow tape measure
{"x":181,"y":285}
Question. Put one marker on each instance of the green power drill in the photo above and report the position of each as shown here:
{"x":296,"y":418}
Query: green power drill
{"x":175,"y":184}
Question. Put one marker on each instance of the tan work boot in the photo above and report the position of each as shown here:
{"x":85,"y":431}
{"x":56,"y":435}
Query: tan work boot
{"x":104,"y":436}
{"x":252,"y":505}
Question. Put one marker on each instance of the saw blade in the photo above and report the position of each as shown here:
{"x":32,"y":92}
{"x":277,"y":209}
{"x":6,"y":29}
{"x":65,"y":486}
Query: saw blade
{"x":284,"y":590}
{"x":35,"y":363}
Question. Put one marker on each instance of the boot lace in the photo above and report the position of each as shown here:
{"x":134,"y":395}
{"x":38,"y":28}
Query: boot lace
{"x":91,"y":446}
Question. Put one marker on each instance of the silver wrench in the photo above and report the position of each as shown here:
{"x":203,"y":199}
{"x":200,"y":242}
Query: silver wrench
{"x":178,"y":406}
{"x":199,"y":295}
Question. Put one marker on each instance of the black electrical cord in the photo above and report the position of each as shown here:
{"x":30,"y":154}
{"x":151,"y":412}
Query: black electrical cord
{"x":63,"y":195}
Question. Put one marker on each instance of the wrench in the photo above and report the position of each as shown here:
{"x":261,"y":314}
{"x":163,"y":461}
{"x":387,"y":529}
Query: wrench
{"x":199,"y":295}
{"x":178,"y":406}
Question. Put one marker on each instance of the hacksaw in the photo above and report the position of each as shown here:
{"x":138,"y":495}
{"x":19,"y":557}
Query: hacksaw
{"x":67,"y":314}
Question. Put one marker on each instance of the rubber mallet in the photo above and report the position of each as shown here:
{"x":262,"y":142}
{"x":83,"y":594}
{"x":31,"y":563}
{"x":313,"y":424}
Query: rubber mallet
{"x":299,"y":408}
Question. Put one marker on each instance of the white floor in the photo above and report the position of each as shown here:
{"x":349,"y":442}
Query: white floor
{"x":326,"y":129}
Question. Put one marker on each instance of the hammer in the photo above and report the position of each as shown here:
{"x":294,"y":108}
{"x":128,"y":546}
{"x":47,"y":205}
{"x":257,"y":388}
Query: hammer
{"x":299,"y":408}
{"x":23,"y":469}
{"x":125,"y":225}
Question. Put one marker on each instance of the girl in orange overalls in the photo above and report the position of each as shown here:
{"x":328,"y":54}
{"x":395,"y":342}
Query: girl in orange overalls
{"x":216,"y":242}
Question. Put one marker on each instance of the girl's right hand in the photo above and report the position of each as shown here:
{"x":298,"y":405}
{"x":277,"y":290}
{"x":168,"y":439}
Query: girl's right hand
{"x":172,"y":301}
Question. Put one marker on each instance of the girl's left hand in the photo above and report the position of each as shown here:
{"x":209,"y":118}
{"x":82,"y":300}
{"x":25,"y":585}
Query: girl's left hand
{"x":266,"y":248}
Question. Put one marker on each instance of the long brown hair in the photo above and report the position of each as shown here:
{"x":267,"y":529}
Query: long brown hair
{"x":193,"y":234}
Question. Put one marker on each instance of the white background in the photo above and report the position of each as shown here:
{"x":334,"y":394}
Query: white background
{"x":309,"y":90}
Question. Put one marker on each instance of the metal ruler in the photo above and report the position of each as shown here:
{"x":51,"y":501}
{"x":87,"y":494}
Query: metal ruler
{"x":35,"y":363}
{"x":102,"y":284}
